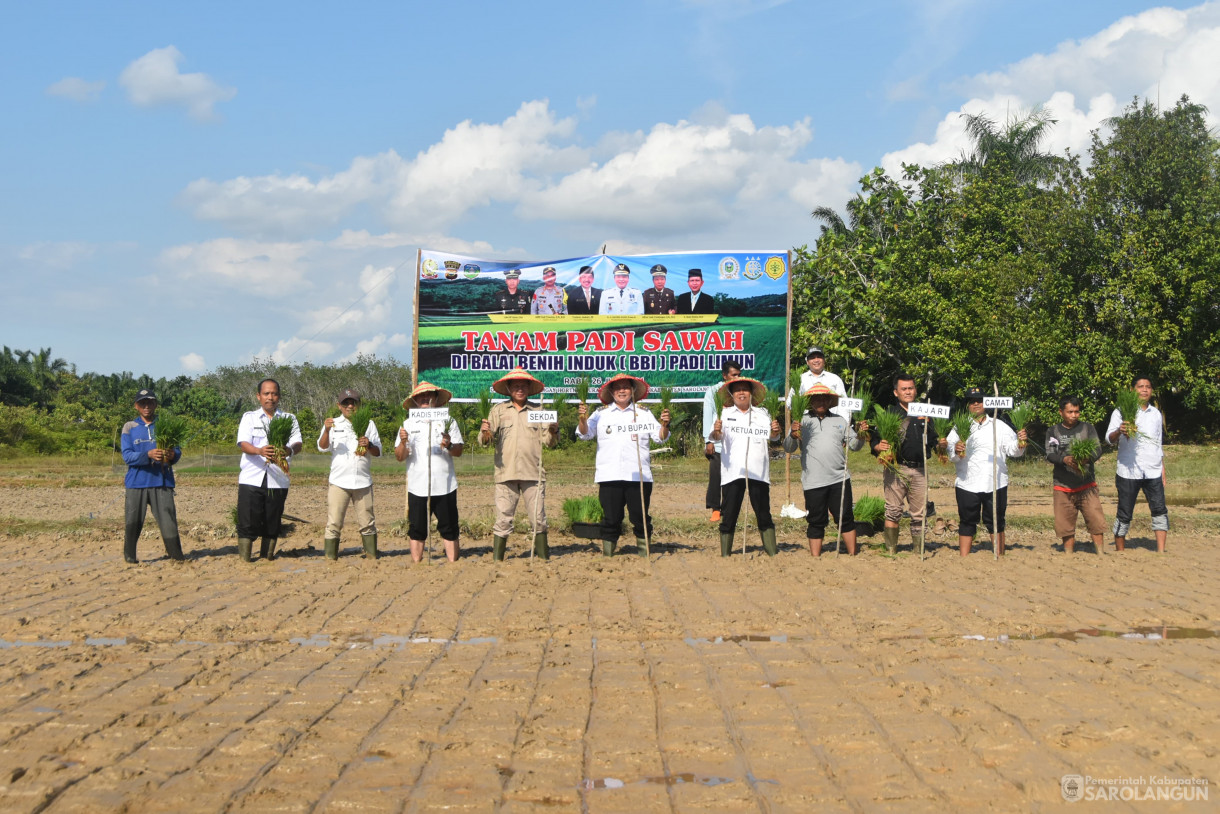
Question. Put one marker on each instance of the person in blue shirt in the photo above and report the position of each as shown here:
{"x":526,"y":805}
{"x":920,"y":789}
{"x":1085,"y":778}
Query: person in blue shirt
{"x":149,"y":481}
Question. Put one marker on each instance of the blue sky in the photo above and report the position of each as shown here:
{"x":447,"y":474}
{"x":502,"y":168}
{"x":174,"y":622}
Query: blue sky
{"x":182,"y":188}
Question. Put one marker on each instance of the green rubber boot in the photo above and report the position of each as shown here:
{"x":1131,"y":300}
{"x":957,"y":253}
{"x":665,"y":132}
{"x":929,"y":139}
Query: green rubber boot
{"x":891,"y":539}
{"x":541,"y":549}
{"x":768,"y":541}
{"x":608,"y":548}
{"x":641,"y":546}
{"x":244,"y":546}
{"x":726,"y":544}
{"x":267,"y":549}
{"x":370,"y":545}
{"x":498,"y":544}
{"x":331,"y":546}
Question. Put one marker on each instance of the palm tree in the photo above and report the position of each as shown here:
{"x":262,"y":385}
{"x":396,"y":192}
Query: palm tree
{"x":1012,"y":149}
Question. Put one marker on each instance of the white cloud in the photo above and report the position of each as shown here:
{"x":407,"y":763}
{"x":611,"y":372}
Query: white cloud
{"x":154,"y":80}
{"x":192,"y":363}
{"x":377,"y":344}
{"x":246,"y":265}
{"x":57,"y":254}
{"x":297,"y":350}
{"x":76,"y":89}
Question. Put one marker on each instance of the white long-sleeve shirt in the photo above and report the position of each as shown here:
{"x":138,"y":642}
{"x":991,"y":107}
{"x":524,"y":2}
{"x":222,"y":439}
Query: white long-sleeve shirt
{"x":444,"y":477}
{"x":974,"y":468}
{"x":347,"y":469}
{"x":619,"y":434}
{"x":253,"y":430}
{"x":745,"y":437}
{"x":1140,"y":457}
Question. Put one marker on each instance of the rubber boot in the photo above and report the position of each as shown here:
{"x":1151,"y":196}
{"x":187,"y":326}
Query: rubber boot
{"x":370,"y":545}
{"x":768,"y":541}
{"x":267,"y":549}
{"x":726,"y":544}
{"x":641,"y":546}
{"x":244,"y":545}
{"x":173,"y":547}
{"x":129,"y":552}
{"x":498,"y":544}
{"x":608,"y":547}
{"x":331,"y":546}
{"x":891,"y":539}
{"x":541,"y":549}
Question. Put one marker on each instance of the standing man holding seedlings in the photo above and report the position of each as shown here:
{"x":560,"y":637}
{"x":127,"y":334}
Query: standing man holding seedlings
{"x":623,"y":473}
{"x":815,"y":360}
{"x":972,"y":457}
{"x":823,"y":439}
{"x":518,"y":463}
{"x":1073,"y":447}
{"x":149,"y":482}
{"x":745,"y":430}
{"x":1140,"y":463}
{"x":904,"y":482}
{"x":712,"y":405}
{"x":263,"y":480}
{"x":351,"y":481}
{"x":431,"y":447}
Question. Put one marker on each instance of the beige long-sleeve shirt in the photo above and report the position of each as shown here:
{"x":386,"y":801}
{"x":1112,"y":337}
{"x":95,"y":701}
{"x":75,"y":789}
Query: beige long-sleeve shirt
{"x":518,"y":443}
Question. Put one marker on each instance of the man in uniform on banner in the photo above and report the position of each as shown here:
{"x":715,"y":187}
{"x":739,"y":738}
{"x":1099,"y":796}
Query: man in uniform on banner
{"x":584,"y":299}
{"x":622,"y":299}
{"x":512,"y":301}
{"x":694,"y":302}
{"x":550,"y":300}
{"x":659,"y":299}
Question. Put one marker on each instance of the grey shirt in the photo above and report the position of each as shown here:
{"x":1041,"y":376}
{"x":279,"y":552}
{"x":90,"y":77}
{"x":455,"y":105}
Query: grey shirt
{"x":823,"y":460}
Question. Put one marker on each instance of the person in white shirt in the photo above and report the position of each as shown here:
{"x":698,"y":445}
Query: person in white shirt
{"x":622,"y":299}
{"x":262,"y":486}
{"x":1139,"y":466}
{"x":431,"y":447}
{"x":973,"y":460}
{"x":745,"y":431}
{"x":712,"y":405}
{"x":351,"y":482}
{"x":815,"y":360}
{"x":623,"y":430}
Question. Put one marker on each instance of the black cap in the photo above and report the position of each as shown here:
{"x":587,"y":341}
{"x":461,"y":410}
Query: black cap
{"x":695,"y":273}
{"x":815,"y":351}
{"x":621,"y":268}
{"x":145,"y":395}
{"x":974,"y":394}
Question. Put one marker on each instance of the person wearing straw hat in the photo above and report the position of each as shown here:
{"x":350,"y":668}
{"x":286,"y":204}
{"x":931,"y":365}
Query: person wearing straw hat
{"x":518,"y":464}
{"x":745,"y":430}
{"x":429,"y":448}
{"x":622,"y":299}
{"x":821,"y":436}
{"x":713,"y":401}
{"x":351,"y":482}
{"x":623,"y":470}
{"x":972,"y":457}
{"x":149,"y":482}
{"x":659,"y":299}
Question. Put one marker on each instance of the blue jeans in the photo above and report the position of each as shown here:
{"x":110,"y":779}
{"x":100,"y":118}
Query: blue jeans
{"x":1128,"y":490}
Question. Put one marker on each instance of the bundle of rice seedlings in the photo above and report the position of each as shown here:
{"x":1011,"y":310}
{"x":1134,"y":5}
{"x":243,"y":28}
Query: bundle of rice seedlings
{"x":866,"y":408}
{"x":171,"y":431}
{"x":943,"y":427}
{"x":361,"y":419}
{"x":800,"y":402}
{"x":889,"y":427}
{"x":774,"y":406}
{"x":582,"y":391}
{"x":1020,"y":416}
{"x":587,"y":509}
{"x":1083,"y":450}
{"x":484,"y":404}
{"x":667,"y":400}
{"x":963,"y":424}
{"x":871,"y":510}
{"x":279,"y":433}
{"x":1128,"y":404}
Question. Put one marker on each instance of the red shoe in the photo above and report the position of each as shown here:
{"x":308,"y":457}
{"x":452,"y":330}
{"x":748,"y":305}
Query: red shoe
{"x":715,"y":516}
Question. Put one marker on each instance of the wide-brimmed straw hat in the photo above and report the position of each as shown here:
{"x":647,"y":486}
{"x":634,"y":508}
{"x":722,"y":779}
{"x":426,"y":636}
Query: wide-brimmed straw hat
{"x":501,"y":385}
{"x":641,"y":387}
{"x":820,"y":389}
{"x":760,"y":390}
{"x":442,"y":395}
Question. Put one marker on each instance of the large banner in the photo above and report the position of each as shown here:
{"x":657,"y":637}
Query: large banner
{"x":671,"y":319}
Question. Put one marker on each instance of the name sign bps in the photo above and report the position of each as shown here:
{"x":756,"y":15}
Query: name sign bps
{"x":430,"y":413}
{"x":997,"y":402}
{"x":918,"y":409}
{"x":576,"y":319}
{"x":850,"y":404}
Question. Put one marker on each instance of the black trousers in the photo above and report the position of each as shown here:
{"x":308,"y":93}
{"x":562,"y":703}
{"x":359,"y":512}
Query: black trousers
{"x":824,"y":500}
{"x":616,"y":495}
{"x":1128,"y":491}
{"x":444,"y":509}
{"x":713,"y":482}
{"x":969,"y":506}
{"x":760,"y":500}
{"x":259,"y":511}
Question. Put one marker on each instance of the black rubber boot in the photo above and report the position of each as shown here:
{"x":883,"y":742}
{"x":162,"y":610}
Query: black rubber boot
{"x":331,"y":546}
{"x":244,"y":546}
{"x":768,"y":541}
{"x":891,"y":539}
{"x":370,"y":545}
{"x":498,"y":545}
{"x":726,"y":544}
{"x":641,"y":546}
{"x":173,"y":547}
{"x":541,"y":549}
{"x":129,"y":552}
{"x":267,"y":549}
{"x":608,"y":547}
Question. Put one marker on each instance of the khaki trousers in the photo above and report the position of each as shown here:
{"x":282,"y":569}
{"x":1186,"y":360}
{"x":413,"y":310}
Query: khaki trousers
{"x":508,"y":494}
{"x":914,"y":492}
{"x":337,"y":500}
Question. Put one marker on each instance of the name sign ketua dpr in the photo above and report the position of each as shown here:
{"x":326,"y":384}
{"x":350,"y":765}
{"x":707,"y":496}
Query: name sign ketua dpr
{"x":997,"y":402}
{"x":917,"y":409}
{"x":542,"y":417}
{"x":430,"y":413}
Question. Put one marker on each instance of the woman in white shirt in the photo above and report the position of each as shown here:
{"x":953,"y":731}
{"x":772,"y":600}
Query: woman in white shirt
{"x":431,"y":447}
{"x":624,"y":431}
{"x":745,"y":430}
{"x":973,"y":460}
